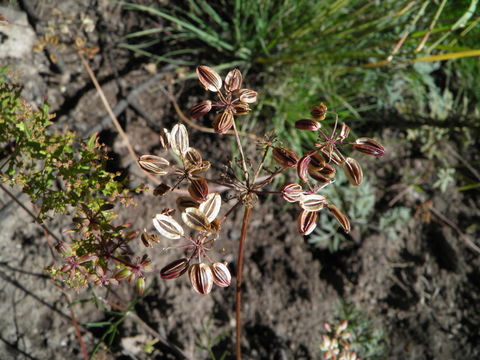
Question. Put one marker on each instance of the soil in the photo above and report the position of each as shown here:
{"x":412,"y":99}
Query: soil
{"x":422,"y":288}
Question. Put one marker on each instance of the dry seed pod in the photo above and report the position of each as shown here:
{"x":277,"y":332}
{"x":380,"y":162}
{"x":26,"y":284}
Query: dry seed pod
{"x":198,"y":189}
{"x":174,"y":269}
{"x":165,"y":139}
{"x":199,"y":168}
{"x":184,"y":202}
{"x":233,"y":80}
{"x":341,"y":218}
{"x":167,"y":226}
{"x":154,"y":164}
{"x":161,"y":189}
{"x":211,"y":206}
{"x":241,"y":109}
{"x":248,"y":96}
{"x":316,"y":175}
{"x":201,"y":278}
{"x":221,"y":274}
{"x":317,"y":161}
{"x":331,"y":156}
{"x":344,"y":132}
{"x":319,"y":112}
{"x":179,"y":139}
{"x":369,"y":146}
{"x":328,"y":171}
{"x":145,"y":238}
{"x":302,"y":168}
{"x":201,"y":109}
{"x":209,"y":78}
{"x":284,"y":156}
{"x":307,"y":124}
{"x":193,"y":156}
{"x":312,"y":202}
{"x":223,"y":122}
{"x":353,"y":171}
{"x":292,"y":192}
{"x":196,"y":219}
{"x":306,"y":222}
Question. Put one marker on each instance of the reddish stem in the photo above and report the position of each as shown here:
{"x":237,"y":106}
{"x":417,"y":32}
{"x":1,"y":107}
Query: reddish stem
{"x":238,"y":293}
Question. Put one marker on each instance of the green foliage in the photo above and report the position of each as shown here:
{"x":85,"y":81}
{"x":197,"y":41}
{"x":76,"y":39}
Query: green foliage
{"x":309,"y":51}
{"x":368,"y":339}
{"x":64,"y":175}
{"x":394,"y":221}
{"x":40,"y":160}
{"x":207,"y":340}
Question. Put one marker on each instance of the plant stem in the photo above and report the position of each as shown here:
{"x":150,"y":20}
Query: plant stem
{"x":242,"y":156}
{"x":238,"y":292}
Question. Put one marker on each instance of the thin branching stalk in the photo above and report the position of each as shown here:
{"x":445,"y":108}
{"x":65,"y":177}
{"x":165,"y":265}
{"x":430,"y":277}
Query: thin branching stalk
{"x":242,"y":156}
{"x":238,"y":292}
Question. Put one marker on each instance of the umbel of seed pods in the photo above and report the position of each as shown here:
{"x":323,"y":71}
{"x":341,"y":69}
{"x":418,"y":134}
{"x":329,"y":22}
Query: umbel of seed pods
{"x":199,"y":213}
{"x":316,"y":168}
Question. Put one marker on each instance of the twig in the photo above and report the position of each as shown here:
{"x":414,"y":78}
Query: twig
{"x":78,"y":334}
{"x":112,"y":115}
{"x":238,"y":291}
{"x":450,"y":223}
{"x":242,"y":155}
{"x":34,"y":217}
{"x":152,"y":332}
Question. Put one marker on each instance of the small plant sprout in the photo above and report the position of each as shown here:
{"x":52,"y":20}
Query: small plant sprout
{"x":335,"y":344}
{"x":314,"y":170}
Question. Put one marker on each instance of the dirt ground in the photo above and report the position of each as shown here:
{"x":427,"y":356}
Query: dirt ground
{"x":422,"y":289}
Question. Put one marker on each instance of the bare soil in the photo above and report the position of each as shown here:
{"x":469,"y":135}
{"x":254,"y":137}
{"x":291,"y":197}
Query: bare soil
{"x":422,"y":289}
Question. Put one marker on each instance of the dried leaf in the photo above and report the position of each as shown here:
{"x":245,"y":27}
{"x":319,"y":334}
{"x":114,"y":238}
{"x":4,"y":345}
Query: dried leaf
{"x":306,"y":222}
{"x":167,"y":226}
{"x":221,"y":274}
{"x":201,"y":278}
{"x":196,"y":219}
{"x":353,"y":171}
{"x":179,"y":139}
{"x":209,"y":78}
{"x":233,"y":80}
{"x":211,"y":206}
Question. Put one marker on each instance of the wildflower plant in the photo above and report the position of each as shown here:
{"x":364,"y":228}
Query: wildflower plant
{"x":201,"y":211}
